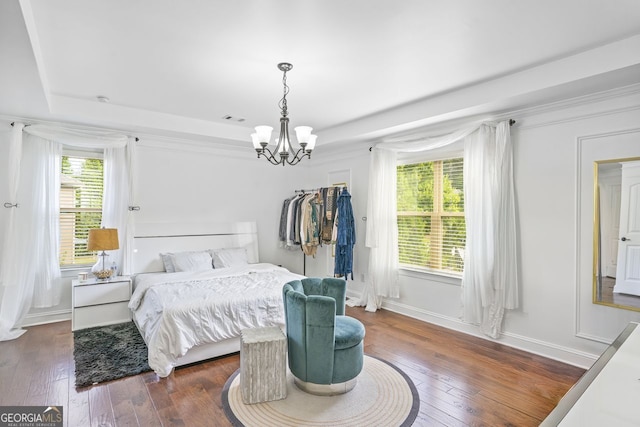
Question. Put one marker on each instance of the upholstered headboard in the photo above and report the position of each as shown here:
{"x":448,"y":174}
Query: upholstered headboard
{"x":152,"y":239}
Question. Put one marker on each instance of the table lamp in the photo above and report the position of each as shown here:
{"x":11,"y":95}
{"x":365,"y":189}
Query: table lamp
{"x":102,"y":239}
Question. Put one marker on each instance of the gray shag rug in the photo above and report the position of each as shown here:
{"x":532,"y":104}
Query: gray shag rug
{"x":107,"y":353}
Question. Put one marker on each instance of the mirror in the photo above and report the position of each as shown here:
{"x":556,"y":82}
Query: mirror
{"x":616,"y":233}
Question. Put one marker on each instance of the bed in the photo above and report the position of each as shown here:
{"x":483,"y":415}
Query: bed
{"x":196,"y":313}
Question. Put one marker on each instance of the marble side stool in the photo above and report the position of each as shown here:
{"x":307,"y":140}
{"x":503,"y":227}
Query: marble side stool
{"x":263,"y":368}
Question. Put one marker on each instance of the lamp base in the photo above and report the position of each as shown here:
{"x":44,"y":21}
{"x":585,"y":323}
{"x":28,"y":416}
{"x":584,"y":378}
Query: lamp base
{"x":103,"y":274}
{"x":100,"y":269}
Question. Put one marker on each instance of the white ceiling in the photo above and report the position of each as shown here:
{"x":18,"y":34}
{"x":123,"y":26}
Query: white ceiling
{"x":361,"y":68}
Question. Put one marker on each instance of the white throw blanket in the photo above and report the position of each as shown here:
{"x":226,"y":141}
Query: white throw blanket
{"x":177,"y":311}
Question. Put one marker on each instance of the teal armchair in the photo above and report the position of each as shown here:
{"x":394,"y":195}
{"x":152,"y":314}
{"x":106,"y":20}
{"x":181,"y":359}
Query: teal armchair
{"x":325,"y":347}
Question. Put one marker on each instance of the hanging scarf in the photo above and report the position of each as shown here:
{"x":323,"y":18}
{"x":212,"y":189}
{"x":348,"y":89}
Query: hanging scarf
{"x":329,"y":198}
{"x":346,"y":236}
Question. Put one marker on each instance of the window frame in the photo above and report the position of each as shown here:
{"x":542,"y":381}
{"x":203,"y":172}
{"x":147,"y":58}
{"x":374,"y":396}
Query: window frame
{"x":78,"y":153}
{"x":410,"y":270}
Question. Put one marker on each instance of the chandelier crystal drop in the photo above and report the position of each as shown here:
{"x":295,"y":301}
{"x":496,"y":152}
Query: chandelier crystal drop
{"x":284,"y":152}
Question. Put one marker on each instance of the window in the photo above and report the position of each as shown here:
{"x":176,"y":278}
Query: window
{"x":431,"y":225}
{"x":80,"y":207}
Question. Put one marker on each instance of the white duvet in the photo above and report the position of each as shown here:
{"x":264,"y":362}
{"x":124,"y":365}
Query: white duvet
{"x":177,"y":311}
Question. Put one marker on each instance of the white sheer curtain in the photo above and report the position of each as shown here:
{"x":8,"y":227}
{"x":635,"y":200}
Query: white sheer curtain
{"x":118,"y":195}
{"x":493,"y":286}
{"x":490,"y":282}
{"x":382,"y":230}
{"x":30,"y":272}
{"x":78,"y":138}
{"x":13,"y":272}
{"x":45,"y":171}
{"x":127,"y":256}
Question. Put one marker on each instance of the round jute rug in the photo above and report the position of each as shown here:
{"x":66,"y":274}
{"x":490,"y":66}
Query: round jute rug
{"x":384,"y":396}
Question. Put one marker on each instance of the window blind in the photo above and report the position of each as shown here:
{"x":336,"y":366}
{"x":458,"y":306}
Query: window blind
{"x":81,"y":186}
{"x":431,"y":225}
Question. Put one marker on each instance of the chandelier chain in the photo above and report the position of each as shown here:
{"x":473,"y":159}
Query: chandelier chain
{"x":283,"y":102}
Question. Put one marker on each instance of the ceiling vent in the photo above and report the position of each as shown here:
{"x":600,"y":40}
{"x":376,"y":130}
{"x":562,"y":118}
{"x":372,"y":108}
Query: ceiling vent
{"x":233,"y":118}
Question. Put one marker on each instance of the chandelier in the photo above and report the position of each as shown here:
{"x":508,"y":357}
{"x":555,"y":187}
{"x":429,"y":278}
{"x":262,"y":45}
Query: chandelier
{"x":284,"y":153}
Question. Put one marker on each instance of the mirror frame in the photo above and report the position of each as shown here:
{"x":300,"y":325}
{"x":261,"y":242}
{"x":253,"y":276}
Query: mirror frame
{"x":596,"y":232}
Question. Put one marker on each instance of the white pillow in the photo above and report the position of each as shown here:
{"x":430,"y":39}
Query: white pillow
{"x":229,"y":257}
{"x":168,"y":262}
{"x":191,"y":261}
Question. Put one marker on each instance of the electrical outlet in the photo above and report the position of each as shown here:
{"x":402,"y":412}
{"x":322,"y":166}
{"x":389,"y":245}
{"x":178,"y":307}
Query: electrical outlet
{"x":362,"y":277}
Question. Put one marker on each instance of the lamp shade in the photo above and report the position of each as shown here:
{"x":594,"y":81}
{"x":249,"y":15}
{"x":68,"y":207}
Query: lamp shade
{"x":312,"y":142}
{"x":256,"y":141}
{"x":303,"y":133}
{"x":264,"y":133}
{"x":103,"y":239}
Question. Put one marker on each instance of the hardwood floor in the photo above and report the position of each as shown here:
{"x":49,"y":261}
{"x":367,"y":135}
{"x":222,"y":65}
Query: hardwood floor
{"x":462,"y":380}
{"x":607,"y":295}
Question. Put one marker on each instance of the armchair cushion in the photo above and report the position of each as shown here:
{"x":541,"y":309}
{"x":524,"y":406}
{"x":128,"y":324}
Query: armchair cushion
{"x":348,"y":332}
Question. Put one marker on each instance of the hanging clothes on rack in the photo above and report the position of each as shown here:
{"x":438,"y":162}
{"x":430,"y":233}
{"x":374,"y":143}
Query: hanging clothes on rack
{"x":330,"y":198}
{"x":300,"y":222}
{"x":311,"y":213}
{"x":282,"y":230}
{"x":288,"y":220}
{"x":320,"y":216}
{"x":346,"y":236}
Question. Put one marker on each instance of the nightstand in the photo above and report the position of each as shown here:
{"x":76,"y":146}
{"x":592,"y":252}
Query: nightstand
{"x":97,"y":303}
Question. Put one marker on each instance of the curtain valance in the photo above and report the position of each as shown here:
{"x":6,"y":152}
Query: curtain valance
{"x":78,"y":138}
{"x":418,"y":143}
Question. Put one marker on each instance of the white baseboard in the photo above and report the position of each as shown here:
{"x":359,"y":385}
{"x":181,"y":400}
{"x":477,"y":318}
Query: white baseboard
{"x":531,"y":345}
{"x":33,"y":319}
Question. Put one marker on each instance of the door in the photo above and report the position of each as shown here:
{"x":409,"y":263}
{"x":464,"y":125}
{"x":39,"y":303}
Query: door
{"x":609,"y":180}
{"x":628,"y":271}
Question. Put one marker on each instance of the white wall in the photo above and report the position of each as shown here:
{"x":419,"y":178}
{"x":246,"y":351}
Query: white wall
{"x":554,"y":188}
{"x":178,"y":182}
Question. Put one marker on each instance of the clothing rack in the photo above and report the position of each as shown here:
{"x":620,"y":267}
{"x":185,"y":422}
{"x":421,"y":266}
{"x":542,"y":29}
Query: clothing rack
{"x":309,"y":190}
{"x":315,"y":190}
{"x":339,"y":186}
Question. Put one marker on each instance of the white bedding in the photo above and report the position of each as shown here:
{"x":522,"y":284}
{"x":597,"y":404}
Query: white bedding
{"x":177,"y":311}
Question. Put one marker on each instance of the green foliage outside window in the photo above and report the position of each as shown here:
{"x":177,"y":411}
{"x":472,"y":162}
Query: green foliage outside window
{"x":431,"y":225}
{"x":80,"y":207}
